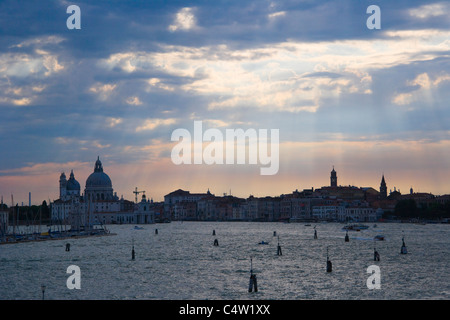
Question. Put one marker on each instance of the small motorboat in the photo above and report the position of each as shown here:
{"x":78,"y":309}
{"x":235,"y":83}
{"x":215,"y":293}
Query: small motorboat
{"x":263,"y":242}
{"x":138,"y":228}
{"x":355,"y":227}
{"x":379,"y":237}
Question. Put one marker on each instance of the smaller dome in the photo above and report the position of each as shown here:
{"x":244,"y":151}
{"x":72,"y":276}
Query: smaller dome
{"x":73,"y":184}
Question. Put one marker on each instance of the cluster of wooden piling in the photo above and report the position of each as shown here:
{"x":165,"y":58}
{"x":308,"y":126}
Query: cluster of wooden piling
{"x":253,"y":287}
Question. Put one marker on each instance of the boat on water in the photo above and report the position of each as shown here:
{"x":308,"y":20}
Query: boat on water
{"x":263,"y":242}
{"x":355,"y":227}
{"x":379,"y":237}
{"x":138,"y":228}
{"x":94,"y":230}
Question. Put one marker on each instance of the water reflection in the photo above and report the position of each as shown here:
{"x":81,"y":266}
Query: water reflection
{"x":180,"y":261}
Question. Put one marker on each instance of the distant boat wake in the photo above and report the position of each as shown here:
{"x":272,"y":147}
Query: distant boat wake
{"x":371,"y":239}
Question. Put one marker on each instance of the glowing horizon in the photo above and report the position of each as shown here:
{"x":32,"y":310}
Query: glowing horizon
{"x":366,"y":101}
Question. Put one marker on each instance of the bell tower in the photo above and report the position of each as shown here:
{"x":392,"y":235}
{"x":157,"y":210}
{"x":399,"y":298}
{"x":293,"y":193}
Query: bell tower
{"x":383,"y":188}
{"x":333,"y":178}
{"x":62,"y":186}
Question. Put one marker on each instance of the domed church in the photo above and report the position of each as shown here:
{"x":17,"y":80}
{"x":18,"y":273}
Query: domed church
{"x":99,"y":185}
{"x":98,"y":202}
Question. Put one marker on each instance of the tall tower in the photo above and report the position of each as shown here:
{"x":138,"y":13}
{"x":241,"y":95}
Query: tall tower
{"x":383,"y":188}
{"x":62,"y":186}
{"x":333,"y":178}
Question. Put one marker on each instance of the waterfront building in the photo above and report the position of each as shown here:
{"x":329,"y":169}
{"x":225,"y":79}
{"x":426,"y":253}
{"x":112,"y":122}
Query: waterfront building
{"x":442,"y":199}
{"x":325,"y":212}
{"x":240,"y":212}
{"x":175,"y":198}
{"x":302,"y":207}
{"x":358,"y":214}
{"x":422,"y":199}
{"x":206,"y":208}
{"x":253,"y":208}
{"x":145,"y":212}
{"x":370,"y":194}
{"x":184,"y":210}
{"x":262,"y":209}
{"x":269,"y":209}
{"x":342,"y":192}
{"x":99,"y":204}
{"x":223,"y":208}
{"x":286,"y":206}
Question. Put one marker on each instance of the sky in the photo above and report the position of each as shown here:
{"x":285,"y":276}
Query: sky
{"x":366,"y":101}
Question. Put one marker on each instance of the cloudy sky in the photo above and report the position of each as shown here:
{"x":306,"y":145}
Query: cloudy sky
{"x":366,"y":101}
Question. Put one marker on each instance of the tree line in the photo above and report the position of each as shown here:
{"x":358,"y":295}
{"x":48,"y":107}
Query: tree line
{"x":434,"y":211}
{"x":28,"y":215}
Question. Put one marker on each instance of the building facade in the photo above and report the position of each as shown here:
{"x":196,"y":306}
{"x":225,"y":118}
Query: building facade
{"x":4,"y":222}
{"x":98,"y":204}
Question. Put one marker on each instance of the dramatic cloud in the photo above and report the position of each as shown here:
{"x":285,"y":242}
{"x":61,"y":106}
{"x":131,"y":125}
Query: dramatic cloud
{"x":340,"y":93}
{"x":430,"y":10}
{"x":151,"y":124}
{"x":184,"y":20}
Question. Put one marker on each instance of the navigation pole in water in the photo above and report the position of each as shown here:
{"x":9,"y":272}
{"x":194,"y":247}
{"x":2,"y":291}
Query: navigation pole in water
{"x":253,"y":283}
{"x":376,"y":255}
{"x":329,"y":264}
{"x":279,"y":253}
{"x":403,"y":250}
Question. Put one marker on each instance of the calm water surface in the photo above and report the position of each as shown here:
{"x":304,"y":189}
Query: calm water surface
{"x":181,"y":262}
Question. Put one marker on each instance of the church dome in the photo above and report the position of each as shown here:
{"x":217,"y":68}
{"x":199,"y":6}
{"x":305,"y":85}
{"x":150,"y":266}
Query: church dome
{"x":72,"y":184}
{"x":98,"y":179}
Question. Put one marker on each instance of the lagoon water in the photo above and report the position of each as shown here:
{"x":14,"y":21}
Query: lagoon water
{"x":180,"y":262}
